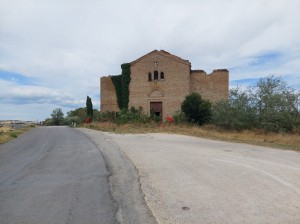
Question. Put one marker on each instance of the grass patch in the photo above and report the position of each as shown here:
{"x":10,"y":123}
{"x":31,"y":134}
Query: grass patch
{"x":6,"y":136}
{"x":258,"y":137}
{"x":13,"y":134}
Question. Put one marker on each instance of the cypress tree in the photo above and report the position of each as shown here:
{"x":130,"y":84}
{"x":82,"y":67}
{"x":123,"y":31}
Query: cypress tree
{"x":89,"y":108}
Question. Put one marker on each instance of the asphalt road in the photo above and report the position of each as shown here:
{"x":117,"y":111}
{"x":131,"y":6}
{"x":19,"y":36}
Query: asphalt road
{"x":54,"y":175}
{"x":194,"y":180}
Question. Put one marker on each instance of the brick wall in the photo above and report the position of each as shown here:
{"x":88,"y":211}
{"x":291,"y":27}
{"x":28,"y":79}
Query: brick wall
{"x":213,"y":87}
{"x":108,"y":95}
{"x":170,"y":91}
{"x":178,"y":82}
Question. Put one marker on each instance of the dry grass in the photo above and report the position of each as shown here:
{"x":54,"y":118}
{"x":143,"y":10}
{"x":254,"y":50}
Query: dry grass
{"x":284,"y":141}
{"x":5,"y":129}
{"x":9,"y":133}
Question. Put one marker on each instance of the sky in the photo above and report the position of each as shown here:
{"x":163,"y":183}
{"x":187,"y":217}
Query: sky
{"x":53,"y":52}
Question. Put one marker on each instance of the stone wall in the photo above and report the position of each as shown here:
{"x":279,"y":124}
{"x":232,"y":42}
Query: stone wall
{"x":108,"y":95}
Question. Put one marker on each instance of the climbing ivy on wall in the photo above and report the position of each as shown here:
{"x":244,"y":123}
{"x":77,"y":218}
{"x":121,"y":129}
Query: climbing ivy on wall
{"x":125,"y":84}
{"x":121,"y":83}
{"x":117,"y":81}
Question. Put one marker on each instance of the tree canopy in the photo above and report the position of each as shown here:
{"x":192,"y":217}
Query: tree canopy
{"x":270,"y":105}
{"x":57,"y":116}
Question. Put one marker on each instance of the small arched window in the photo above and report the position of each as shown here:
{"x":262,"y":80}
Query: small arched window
{"x":149,"y":77}
{"x":162,"y":76}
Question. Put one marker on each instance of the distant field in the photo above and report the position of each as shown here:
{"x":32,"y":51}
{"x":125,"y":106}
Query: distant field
{"x":258,"y":137}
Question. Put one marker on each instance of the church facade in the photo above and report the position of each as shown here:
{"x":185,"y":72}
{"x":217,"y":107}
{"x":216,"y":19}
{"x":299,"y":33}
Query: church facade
{"x":160,"y":81}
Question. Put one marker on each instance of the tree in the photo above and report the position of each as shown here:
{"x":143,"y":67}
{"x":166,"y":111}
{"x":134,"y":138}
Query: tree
{"x":235,"y":113}
{"x":79,"y":112}
{"x":89,"y":107}
{"x":196,"y":109}
{"x":270,"y":105}
{"x":276,"y":105}
{"x":57,"y":116}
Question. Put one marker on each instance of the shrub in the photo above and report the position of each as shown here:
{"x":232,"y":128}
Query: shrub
{"x":133,"y":116}
{"x":270,"y":105}
{"x":154,"y":117}
{"x":196,"y":109}
{"x":170,"y":120}
{"x":13,"y":135}
{"x":236,"y":112}
{"x":79,"y":112}
{"x":49,"y":122}
{"x":275,"y":103}
{"x":71,"y":120}
{"x":179,"y":117}
{"x":105,"y":116}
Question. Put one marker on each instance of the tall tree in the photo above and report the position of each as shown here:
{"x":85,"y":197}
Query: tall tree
{"x":276,"y":104}
{"x":57,"y":116}
{"x":89,"y":107}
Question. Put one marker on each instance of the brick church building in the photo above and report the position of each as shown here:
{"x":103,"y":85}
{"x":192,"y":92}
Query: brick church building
{"x":160,"y":81}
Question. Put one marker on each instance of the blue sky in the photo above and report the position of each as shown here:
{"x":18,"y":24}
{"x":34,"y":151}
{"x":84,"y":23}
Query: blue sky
{"x":53,"y":52}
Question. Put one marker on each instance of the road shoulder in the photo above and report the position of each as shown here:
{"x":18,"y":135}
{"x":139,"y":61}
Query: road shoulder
{"x":124,"y":181}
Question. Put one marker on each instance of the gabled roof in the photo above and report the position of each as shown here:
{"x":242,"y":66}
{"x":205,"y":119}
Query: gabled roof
{"x":165,"y":54}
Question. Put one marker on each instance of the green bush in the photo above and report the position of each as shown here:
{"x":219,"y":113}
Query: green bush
{"x":179,"y":117}
{"x":276,"y":105}
{"x":196,"y":109}
{"x":71,"y":120}
{"x":235,"y":113}
{"x":133,"y":116}
{"x":104,"y":116}
{"x":79,"y":112}
{"x":49,"y":122}
{"x":154,"y":117}
{"x":13,"y":135}
{"x":269,"y":105}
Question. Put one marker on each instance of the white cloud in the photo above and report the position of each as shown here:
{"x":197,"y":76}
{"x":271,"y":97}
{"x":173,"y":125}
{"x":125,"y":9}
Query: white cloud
{"x":26,"y":94}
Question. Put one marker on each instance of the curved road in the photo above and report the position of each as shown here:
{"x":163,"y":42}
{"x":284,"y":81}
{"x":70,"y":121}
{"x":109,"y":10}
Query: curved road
{"x":54,"y":175}
{"x":58,"y":175}
{"x":194,"y":180}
